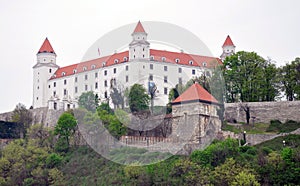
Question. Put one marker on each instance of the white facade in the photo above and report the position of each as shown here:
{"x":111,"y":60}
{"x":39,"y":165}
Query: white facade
{"x":60,"y":88}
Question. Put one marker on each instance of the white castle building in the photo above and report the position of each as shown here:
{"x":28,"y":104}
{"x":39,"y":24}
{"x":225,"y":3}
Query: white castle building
{"x":60,"y":87}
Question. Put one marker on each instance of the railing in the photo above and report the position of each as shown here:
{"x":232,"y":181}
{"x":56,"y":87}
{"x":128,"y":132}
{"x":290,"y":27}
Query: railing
{"x":144,"y":141}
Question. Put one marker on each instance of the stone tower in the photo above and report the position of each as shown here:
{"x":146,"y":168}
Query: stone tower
{"x":42,"y":71}
{"x":139,"y":48}
{"x":195,"y":119}
{"x":228,"y":48}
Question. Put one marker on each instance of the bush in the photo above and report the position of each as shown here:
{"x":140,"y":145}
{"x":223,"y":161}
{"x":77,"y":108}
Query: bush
{"x":53,"y":160}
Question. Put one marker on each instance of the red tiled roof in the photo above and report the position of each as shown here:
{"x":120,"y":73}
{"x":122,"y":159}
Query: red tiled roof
{"x":139,"y":28}
{"x":91,"y":65}
{"x":46,"y":47}
{"x":170,"y":57}
{"x":195,"y":93}
{"x":185,"y":59}
{"x":228,"y":42}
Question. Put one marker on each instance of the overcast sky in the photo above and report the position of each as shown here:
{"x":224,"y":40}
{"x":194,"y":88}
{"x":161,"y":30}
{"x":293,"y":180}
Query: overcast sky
{"x":270,"y":28}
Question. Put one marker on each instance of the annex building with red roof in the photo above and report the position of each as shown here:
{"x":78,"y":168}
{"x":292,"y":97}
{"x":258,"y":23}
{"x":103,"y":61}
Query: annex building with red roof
{"x":59,"y":88}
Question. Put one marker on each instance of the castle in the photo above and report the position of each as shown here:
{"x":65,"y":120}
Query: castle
{"x":59,"y":88}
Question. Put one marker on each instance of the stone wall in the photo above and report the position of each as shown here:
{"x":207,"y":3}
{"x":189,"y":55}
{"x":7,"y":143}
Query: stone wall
{"x":40,"y":116}
{"x":264,"y":111}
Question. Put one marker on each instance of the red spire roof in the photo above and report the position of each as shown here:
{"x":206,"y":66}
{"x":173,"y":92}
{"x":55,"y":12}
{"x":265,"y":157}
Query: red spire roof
{"x":195,"y":93}
{"x":228,"y":42}
{"x":139,"y":28}
{"x":46,"y":47}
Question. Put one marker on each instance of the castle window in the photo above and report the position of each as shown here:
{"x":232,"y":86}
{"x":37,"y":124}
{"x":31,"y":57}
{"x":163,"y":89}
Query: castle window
{"x":133,"y":50}
{"x":116,"y":61}
{"x":65,"y":92}
{"x":50,"y":70}
{"x":193,"y":71}
{"x":165,"y":68}
{"x":76,"y":89}
{"x":115,"y":70}
{"x":38,"y":87}
{"x":54,"y":84}
{"x":93,"y":66}
{"x":180,"y":80}
{"x":49,"y":86}
{"x":163,"y":58}
{"x":177,"y":60}
{"x":150,"y":77}
{"x":84,"y":68}
{"x":76,"y":79}
{"x":65,"y":82}
{"x":63,"y":74}
{"x":44,"y":59}
{"x":134,"y":56}
{"x":54,"y":93}
{"x":165,"y":79}
{"x":204,"y":64}
{"x":191,"y":62}
{"x":74,"y":71}
{"x":85,"y":87}
{"x":37,"y":98}
{"x":105,"y":94}
{"x":103,"y":64}
{"x":152,"y":58}
{"x":96,"y":85}
{"x":55,"y":106}
{"x":86,"y":77}
{"x":179,"y":70}
{"x":126,"y":79}
{"x":105,"y":83}
{"x":143,"y":56}
{"x":125,"y":58}
{"x":166,"y":91}
{"x":126,"y":67}
{"x":96,"y":74}
{"x":143,"y":49}
{"x":105,"y":72}
{"x":151,"y":66}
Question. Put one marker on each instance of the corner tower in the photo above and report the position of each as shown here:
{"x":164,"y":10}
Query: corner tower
{"x":139,"y":48}
{"x":42,"y":71}
{"x":228,"y":48}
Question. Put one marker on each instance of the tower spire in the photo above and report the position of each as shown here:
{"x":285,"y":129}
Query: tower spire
{"x":46,"y":47}
{"x":228,"y":42}
{"x":139,"y":28}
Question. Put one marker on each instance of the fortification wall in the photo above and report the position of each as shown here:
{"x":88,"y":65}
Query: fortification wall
{"x":264,"y":111}
{"x":40,"y":116}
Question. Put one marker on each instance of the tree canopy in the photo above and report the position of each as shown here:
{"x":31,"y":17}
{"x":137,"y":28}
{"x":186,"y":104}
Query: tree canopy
{"x":138,"y":98}
{"x":249,"y":78}
{"x":88,"y":100}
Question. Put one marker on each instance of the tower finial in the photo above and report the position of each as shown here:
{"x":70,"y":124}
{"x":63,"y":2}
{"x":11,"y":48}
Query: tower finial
{"x":139,"y":28}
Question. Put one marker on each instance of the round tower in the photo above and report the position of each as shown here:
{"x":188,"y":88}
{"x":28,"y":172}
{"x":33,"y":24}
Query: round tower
{"x":139,"y":48}
{"x":44,"y":68}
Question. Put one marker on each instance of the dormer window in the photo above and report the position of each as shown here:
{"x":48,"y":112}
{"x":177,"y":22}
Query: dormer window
{"x":84,"y":68}
{"x":116,"y":61}
{"x":191,"y":62}
{"x":125,"y":58}
{"x":152,"y":58}
{"x":103,"y":64}
{"x":163,"y":58}
{"x":177,"y":60}
{"x":93,"y":66}
{"x":74,"y":71}
{"x":204,"y":64}
{"x":63,"y":74}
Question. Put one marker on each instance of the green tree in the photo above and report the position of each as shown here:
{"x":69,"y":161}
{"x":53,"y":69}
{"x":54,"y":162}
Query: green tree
{"x":290,"y":80}
{"x":88,"y":100}
{"x":138,"y":98}
{"x":22,"y":115}
{"x":249,"y":77}
{"x":65,"y":127}
{"x":111,"y":121}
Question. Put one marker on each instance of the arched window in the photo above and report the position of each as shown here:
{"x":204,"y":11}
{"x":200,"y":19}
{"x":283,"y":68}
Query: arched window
{"x":163,"y":58}
{"x":84,"y":68}
{"x":177,"y":60}
{"x":191,"y":62}
{"x":63,"y":74}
